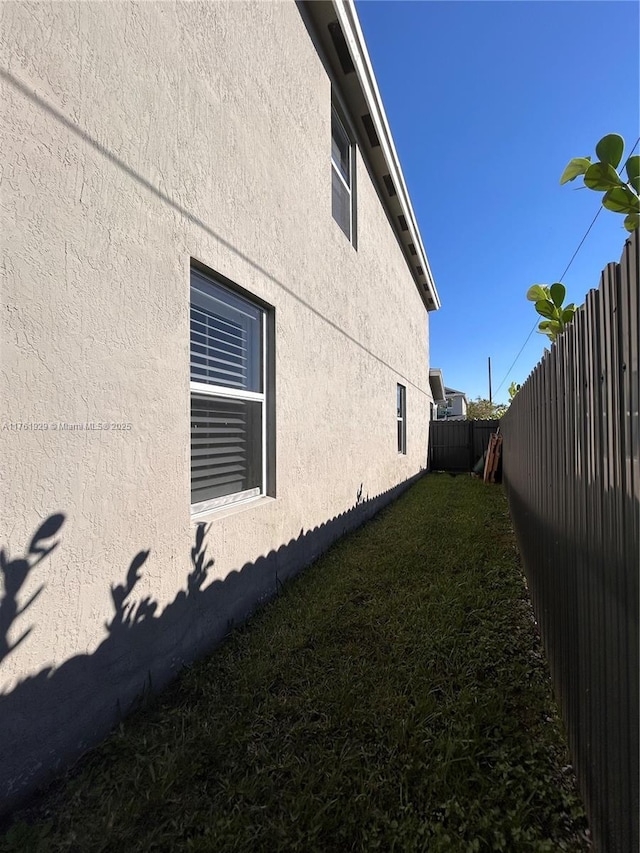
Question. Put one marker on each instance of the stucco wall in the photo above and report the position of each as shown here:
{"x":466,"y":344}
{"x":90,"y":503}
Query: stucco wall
{"x":136,"y":137}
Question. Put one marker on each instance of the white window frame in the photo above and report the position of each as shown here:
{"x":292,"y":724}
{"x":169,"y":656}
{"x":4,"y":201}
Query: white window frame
{"x":221,"y":391}
{"x":401,"y":419}
{"x":335,"y":168}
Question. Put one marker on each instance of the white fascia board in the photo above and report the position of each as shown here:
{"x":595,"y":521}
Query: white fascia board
{"x":348,"y":20}
{"x":437,"y":384}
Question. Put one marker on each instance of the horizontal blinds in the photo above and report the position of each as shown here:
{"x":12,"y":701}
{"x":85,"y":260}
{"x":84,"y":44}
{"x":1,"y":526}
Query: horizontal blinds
{"x":340,"y":149}
{"x":226,"y":446}
{"x":226,"y":337}
{"x":219,"y":350}
{"x":340,"y":203}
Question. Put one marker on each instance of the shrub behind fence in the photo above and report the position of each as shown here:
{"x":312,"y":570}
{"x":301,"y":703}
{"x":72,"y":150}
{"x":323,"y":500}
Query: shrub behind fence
{"x":572,"y":475}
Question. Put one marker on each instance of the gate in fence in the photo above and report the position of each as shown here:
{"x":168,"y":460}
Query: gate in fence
{"x":457,"y":445}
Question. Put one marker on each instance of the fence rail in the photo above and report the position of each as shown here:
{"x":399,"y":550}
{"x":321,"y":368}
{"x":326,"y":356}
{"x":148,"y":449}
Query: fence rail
{"x":457,"y":445}
{"x":572,"y":475}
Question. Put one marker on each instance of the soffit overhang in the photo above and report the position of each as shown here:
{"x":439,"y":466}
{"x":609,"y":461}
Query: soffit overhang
{"x":436,"y":383}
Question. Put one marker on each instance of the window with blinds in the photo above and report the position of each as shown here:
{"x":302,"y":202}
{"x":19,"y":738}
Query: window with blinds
{"x":227,"y":368}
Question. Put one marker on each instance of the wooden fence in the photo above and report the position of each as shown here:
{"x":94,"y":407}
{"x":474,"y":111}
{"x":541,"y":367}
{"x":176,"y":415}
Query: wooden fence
{"x":457,"y":445}
{"x":572,"y":475}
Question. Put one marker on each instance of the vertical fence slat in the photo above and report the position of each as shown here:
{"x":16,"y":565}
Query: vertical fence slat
{"x":613,"y":612}
{"x":572,"y":476}
{"x":582,"y":759}
{"x":593,"y":770}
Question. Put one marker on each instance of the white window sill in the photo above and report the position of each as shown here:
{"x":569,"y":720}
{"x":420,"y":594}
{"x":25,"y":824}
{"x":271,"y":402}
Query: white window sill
{"x":230,"y":509}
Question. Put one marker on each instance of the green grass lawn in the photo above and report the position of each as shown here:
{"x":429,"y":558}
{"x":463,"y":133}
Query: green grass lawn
{"x":393,"y":697}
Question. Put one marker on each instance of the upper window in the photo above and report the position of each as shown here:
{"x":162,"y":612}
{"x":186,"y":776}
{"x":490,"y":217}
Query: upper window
{"x":401,"y":417}
{"x":228,"y":417}
{"x":341,"y":176}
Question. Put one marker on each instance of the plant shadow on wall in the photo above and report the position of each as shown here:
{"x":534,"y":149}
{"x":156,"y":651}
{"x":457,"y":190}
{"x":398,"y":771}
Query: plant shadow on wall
{"x":52,"y":717}
{"x":14,"y":575}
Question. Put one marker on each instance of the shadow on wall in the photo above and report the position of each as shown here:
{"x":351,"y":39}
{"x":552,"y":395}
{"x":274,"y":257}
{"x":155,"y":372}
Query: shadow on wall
{"x":50,"y":718}
{"x":14,"y":574}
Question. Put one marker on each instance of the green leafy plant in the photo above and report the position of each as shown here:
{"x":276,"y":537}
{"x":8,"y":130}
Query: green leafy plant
{"x":620,"y":196}
{"x":513,"y":390}
{"x":482,"y":409}
{"x":548,"y":301}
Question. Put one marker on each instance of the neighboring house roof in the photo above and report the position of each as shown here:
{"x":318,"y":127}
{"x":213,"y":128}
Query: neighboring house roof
{"x":338,"y":29}
{"x":451,"y":392}
{"x":437,"y":385}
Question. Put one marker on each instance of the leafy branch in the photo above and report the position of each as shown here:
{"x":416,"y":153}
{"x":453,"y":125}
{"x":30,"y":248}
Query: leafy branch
{"x":620,"y":196}
{"x":548,"y":301}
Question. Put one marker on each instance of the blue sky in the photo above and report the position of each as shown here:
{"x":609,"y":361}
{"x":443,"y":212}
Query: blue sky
{"x":487,"y":102}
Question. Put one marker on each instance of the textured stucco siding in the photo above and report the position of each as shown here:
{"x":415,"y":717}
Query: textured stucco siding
{"x":136,"y":137}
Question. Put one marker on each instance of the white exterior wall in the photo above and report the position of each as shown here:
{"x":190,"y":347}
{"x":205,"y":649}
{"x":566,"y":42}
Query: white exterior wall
{"x":137,"y":136}
{"x":458,"y":406}
{"x":456,"y":411}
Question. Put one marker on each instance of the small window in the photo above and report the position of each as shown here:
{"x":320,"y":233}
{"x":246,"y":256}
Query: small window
{"x":401,"y":417}
{"x":228,"y":415}
{"x":341,"y":176}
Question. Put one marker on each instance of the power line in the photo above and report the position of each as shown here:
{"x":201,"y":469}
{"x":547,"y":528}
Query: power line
{"x":506,"y":376}
{"x":586,"y":234}
{"x":535,"y":325}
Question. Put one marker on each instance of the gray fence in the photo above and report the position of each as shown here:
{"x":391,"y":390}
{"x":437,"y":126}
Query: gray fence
{"x":572,"y":474}
{"x":457,"y":445}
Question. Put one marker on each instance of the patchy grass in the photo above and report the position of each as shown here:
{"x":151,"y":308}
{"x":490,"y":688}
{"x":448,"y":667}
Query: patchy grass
{"x":393,"y":697}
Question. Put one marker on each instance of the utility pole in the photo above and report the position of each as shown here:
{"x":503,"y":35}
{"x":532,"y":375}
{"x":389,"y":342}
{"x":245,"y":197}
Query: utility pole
{"x":490,"y":397}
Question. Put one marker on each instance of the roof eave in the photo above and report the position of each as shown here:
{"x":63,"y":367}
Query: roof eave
{"x":348,"y":20}
{"x":436,"y":384}
{"x":369,"y":95}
